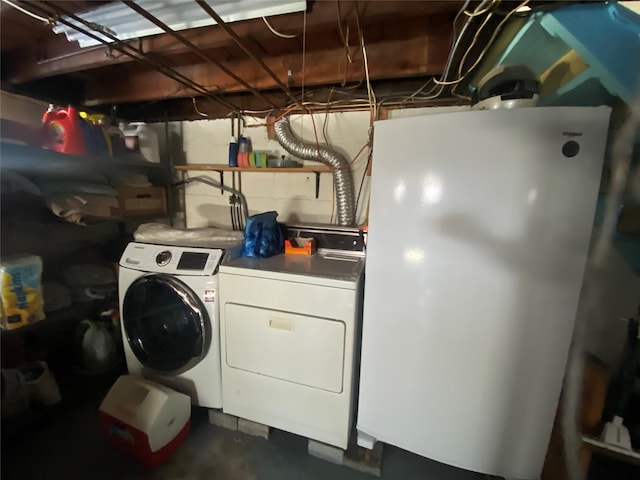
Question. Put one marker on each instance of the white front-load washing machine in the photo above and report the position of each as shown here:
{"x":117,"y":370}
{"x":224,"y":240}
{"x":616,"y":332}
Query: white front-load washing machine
{"x":170,"y":318}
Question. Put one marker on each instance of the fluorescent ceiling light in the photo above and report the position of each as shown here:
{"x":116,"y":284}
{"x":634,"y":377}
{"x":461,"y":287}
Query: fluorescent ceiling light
{"x":177,"y":14}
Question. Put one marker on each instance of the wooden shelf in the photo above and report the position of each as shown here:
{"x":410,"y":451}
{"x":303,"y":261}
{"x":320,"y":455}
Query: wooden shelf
{"x":227,"y":168}
{"x":596,"y":445}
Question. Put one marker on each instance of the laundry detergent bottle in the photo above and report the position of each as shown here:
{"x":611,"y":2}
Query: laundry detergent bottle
{"x":62,"y":130}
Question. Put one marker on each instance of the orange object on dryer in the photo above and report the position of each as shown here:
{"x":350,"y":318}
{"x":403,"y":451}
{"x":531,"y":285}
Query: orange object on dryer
{"x":300,"y":246}
{"x":62,"y":130}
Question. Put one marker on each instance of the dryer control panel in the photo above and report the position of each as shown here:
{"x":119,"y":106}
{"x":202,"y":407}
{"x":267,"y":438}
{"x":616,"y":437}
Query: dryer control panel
{"x":171,"y":259}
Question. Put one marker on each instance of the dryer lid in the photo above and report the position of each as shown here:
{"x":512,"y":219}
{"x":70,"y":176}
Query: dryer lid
{"x":326,"y":269}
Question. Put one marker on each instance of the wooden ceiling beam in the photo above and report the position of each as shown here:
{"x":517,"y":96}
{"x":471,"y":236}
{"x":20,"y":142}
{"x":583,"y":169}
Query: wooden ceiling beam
{"x":421,"y":56}
{"x":173,"y":109}
{"x":65,"y":59}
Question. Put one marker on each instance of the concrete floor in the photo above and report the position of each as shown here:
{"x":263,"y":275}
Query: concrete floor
{"x":67,"y":443}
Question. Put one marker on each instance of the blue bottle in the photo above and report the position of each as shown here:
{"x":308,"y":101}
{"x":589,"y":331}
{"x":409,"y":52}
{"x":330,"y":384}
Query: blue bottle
{"x":233,"y":153}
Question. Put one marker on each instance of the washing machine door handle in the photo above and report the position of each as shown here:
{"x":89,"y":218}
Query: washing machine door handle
{"x":165,"y":324}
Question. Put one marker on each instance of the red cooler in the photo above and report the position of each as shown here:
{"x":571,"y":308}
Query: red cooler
{"x":145,"y":419}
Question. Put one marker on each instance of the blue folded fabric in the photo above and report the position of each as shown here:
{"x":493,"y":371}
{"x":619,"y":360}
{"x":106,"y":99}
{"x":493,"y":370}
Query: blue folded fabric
{"x":262,"y":236}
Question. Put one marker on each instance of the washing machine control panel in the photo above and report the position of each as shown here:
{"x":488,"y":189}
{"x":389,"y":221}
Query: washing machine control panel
{"x":171,"y":259}
{"x":163,"y":258}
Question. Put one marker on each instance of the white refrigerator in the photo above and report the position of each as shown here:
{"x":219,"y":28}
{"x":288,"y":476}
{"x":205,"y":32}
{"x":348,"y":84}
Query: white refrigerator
{"x":479,"y":229}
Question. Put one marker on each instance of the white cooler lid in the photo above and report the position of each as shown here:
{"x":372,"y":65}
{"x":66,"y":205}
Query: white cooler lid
{"x":153,"y":409}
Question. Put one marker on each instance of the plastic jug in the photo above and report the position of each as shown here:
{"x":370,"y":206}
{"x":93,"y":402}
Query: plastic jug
{"x":62,"y":130}
{"x":96,"y":348}
{"x":244,"y":147}
{"x":145,"y":138}
{"x":233,"y":152}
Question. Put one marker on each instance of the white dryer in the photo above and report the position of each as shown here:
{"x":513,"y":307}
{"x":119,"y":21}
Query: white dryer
{"x":289,"y":329}
{"x":170,"y":317}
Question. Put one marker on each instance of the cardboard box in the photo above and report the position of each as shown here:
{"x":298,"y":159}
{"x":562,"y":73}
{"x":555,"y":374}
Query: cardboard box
{"x":142,"y":201}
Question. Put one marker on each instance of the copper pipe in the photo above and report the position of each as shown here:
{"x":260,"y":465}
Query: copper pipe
{"x":195,"y":49}
{"x":247,"y":50}
{"x":123,"y":47}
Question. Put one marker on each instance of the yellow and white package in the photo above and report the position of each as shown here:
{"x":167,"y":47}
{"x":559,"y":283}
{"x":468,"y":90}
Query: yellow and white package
{"x":21,"y":290}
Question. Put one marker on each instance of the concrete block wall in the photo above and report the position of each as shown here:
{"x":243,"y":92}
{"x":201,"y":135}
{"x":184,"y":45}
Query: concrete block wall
{"x":292,"y":195}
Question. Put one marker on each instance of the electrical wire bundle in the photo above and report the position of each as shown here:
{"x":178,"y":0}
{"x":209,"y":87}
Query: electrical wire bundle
{"x":483,"y":13}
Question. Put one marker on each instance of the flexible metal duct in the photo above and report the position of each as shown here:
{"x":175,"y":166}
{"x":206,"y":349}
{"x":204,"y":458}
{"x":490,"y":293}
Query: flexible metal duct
{"x":342,"y":179}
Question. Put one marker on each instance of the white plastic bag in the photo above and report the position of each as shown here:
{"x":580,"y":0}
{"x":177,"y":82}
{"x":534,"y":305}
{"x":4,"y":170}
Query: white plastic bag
{"x":162,"y":234}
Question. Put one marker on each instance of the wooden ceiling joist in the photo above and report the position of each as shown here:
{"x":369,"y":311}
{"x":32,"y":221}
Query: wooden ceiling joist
{"x":407,"y":58}
{"x":404,"y":39}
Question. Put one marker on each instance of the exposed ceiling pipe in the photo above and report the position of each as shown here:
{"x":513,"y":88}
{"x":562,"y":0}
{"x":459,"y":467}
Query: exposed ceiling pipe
{"x":195,"y":49}
{"x":125,"y":49}
{"x":342,"y":179}
{"x":247,"y":50}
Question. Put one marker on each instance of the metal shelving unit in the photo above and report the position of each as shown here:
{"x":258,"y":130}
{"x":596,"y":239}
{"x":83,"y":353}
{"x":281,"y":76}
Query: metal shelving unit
{"x":41,"y":163}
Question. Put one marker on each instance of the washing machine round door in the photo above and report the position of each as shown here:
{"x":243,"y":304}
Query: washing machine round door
{"x":165,"y":323}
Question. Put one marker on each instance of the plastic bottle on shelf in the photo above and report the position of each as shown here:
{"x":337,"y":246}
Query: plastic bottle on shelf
{"x":244,"y":147}
{"x":233,"y":152}
{"x":62,"y":130}
{"x":94,"y":138}
{"x":98,"y":141}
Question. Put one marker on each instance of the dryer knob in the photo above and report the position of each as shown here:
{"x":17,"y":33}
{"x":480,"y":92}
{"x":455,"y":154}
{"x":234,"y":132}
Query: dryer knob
{"x":163,"y":258}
